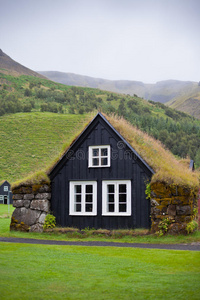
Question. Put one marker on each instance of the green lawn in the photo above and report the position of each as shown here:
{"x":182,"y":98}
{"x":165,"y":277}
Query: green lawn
{"x":76,"y":272}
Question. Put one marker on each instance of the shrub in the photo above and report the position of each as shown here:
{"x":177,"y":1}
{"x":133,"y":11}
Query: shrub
{"x":191,"y":227}
{"x":50,"y":221}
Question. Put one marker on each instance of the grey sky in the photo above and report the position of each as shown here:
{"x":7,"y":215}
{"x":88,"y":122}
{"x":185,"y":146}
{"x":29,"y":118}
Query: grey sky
{"x":145,"y":40}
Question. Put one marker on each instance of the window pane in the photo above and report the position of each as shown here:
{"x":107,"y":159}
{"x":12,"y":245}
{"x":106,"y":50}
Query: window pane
{"x":122,"y":188}
{"x":77,"y":198}
{"x":77,"y":189}
{"x":95,"y":162}
{"x":111,"y":207}
{"x":111,"y":188}
{"x":104,"y":161}
{"x":95,"y":152}
{"x":77,"y":207}
{"x":122,"y":207}
{"x":88,"y":208}
{"x":122,"y":198}
{"x":111,"y":198}
{"x":104,"y":152}
{"x":88,"y":198}
{"x":89,"y":188}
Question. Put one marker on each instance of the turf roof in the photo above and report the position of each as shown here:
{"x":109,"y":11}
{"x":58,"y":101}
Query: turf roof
{"x":166,"y":166}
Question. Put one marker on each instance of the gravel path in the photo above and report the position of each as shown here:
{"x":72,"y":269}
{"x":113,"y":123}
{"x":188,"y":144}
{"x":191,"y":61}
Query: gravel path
{"x":191,"y":247}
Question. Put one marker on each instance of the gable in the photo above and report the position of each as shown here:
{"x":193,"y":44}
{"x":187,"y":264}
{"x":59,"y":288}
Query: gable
{"x":100,"y":132}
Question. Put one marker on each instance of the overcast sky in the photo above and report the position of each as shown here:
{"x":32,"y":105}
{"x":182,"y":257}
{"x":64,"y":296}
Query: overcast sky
{"x":145,"y":40}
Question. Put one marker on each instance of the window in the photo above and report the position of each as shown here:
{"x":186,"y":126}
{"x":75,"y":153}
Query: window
{"x":1,"y":199}
{"x":83,"y":198}
{"x":116,"y":197}
{"x":5,"y":188}
{"x":99,"y":156}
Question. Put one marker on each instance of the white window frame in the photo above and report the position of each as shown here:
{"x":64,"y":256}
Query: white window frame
{"x":83,"y":184}
{"x":5,"y":188}
{"x":116,"y":184}
{"x":2,"y":199}
{"x":90,"y":156}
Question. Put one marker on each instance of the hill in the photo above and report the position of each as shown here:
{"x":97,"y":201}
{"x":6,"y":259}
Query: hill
{"x":188,"y":102}
{"x":11,"y":67}
{"x":177,"y":131}
{"x":181,"y":95}
{"x":30,"y":142}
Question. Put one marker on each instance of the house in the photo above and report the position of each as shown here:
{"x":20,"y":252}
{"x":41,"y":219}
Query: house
{"x":111,"y":176}
{"x":100,"y":182}
{"x":5,"y":193}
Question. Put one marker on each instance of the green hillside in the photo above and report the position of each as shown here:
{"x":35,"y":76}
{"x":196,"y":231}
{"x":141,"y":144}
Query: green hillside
{"x":26,"y":101}
{"x":189,"y":102}
{"x":30,"y":142}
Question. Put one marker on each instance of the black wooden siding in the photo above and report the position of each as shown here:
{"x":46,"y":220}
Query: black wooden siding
{"x":126,"y":167}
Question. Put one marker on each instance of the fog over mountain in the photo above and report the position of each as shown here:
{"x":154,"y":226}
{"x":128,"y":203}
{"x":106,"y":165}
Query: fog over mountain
{"x":162,"y":91}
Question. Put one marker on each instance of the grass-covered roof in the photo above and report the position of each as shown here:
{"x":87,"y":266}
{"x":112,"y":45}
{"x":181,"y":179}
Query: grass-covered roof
{"x":166,"y":166}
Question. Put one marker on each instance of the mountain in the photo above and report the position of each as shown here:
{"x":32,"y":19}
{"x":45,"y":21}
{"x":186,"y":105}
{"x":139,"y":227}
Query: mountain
{"x":181,"y":95}
{"x":10,"y":67}
{"x":162,"y":91}
{"x":118,"y":86}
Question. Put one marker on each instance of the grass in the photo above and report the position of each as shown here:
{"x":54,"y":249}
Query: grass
{"x":72,"y":234}
{"x":76,"y":272}
{"x":30,"y":141}
{"x":167,"y":168}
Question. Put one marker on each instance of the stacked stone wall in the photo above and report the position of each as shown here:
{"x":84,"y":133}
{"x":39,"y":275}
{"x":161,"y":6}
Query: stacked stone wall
{"x":176,"y":203}
{"x":32,"y":204}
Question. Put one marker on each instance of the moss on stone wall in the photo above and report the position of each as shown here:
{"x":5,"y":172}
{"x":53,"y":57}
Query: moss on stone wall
{"x":177,"y":204}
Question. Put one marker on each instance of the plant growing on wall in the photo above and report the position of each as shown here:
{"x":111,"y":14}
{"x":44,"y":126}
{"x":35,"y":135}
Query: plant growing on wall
{"x":50,"y":221}
{"x":163,"y":226}
{"x":191,"y":226}
{"x":148,"y":190}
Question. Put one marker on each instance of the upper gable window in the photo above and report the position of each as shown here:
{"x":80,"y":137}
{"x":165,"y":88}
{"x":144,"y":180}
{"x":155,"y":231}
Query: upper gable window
{"x":5,"y":188}
{"x":99,"y":156}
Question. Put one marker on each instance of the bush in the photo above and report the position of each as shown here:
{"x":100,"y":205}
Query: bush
{"x":50,"y":221}
{"x":191,"y":227}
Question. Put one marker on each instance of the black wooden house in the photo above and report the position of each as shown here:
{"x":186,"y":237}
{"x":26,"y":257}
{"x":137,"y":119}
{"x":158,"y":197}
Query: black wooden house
{"x":5,"y":193}
{"x":100,"y":182}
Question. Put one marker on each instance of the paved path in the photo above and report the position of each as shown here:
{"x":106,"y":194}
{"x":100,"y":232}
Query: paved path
{"x":191,"y":247}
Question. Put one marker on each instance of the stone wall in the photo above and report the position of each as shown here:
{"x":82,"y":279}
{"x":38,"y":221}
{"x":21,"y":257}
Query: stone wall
{"x":32,"y":204}
{"x":176,"y":203}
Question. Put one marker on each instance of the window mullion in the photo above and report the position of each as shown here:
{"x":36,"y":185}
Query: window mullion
{"x":83,"y":199}
{"x":116,"y":198}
